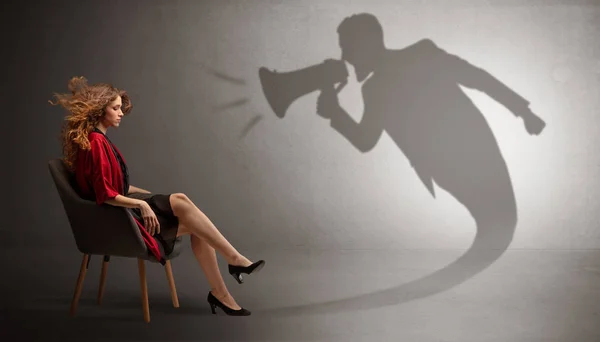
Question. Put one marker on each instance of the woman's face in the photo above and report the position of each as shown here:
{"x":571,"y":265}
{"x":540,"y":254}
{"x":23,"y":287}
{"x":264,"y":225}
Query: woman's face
{"x":112,"y":113}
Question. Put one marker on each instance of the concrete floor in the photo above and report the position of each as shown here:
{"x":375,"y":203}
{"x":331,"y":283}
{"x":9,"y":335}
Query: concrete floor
{"x":312,"y":295}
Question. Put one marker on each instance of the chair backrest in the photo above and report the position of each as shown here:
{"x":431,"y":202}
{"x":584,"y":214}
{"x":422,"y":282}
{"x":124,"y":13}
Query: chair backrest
{"x":64,"y":181}
{"x":97,"y":229}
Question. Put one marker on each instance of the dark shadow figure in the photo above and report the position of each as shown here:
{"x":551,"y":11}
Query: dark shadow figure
{"x":413,"y":94}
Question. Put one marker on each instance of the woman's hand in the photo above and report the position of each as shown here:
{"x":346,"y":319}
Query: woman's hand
{"x":150,"y":220}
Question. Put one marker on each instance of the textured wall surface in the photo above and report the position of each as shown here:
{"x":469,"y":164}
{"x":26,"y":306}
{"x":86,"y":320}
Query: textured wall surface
{"x":201,"y":124}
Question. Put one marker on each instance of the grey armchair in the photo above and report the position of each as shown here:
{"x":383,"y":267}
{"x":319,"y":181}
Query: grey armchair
{"x":105,"y":230}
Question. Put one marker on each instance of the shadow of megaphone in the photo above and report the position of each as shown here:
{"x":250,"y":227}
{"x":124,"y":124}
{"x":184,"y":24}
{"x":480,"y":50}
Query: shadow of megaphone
{"x":281,"y":89}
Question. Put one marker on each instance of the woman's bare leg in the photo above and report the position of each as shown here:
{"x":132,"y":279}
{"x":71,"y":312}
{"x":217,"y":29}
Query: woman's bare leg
{"x":199,"y":225}
{"x":207,"y":259}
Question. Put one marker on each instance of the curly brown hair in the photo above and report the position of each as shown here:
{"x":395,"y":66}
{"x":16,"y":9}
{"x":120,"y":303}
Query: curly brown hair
{"x":85,"y":106}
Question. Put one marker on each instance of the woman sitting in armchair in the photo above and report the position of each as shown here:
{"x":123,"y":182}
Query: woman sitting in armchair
{"x":101,"y":174}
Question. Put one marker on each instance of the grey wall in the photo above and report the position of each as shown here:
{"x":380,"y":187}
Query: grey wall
{"x":201,"y":124}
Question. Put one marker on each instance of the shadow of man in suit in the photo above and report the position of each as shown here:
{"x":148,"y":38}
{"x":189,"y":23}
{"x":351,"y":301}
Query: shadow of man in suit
{"x":414,"y":95}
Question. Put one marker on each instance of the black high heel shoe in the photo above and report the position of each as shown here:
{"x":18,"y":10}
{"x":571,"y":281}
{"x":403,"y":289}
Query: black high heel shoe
{"x":236,"y":271}
{"x":214,"y":303}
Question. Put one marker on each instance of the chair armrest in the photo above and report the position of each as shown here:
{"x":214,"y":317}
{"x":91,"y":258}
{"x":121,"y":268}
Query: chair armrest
{"x":104,"y":229}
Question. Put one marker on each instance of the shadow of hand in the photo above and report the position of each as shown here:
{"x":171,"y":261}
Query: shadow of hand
{"x":533,"y":123}
{"x":328,"y":103}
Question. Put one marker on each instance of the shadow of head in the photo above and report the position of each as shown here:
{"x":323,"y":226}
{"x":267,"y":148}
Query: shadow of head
{"x":361,"y":42}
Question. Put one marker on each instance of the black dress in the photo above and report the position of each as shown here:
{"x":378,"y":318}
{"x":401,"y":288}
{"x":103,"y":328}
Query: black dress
{"x":169,"y":223}
{"x":160,"y":204}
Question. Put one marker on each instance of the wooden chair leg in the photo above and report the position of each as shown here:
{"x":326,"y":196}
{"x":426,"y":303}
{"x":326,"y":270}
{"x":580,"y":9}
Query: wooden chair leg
{"x":79,"y":286}
{"x":103,"y":278}
{"x":144,"y":288}
{"x":171,"y":280}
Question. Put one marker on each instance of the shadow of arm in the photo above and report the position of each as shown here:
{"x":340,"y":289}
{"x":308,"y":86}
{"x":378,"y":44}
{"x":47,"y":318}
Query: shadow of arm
{"x":474,"y":77}
{"x":363,"y":135}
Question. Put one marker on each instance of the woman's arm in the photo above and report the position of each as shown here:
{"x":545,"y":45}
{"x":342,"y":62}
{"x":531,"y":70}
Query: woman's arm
{"x":150,"y":220}
{"x":127,"y":202}
{"x":134,"y":189}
